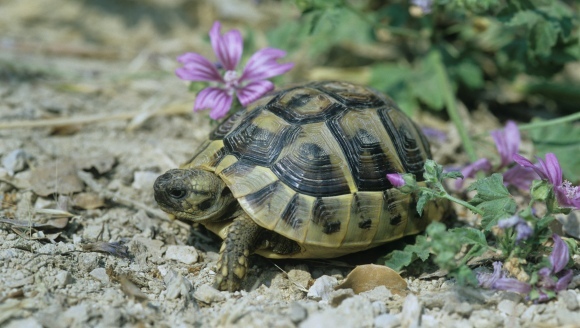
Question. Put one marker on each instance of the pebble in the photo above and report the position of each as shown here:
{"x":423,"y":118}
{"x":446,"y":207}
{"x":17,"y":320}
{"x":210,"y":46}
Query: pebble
{"x":208,"y":294}
{"x":296,"y":312}
{"x":506,"y":306}
{"x":322,"y":287}
{"x":569,"y":298}
{"x":15,"y":161}
{"x":387,"y":320}
{"x":88,"y":261}
{"x":183,"y":254}
{"x":144,"y":179}
{"x":338,"y":296}
{"x":380,"y":293}
{"x":27,"y":281}
{"x":101,"y":275}
{"x":379,"y":308}
{"x":411,"y":313}
{"x":300,"y":276}
{"x":353,"y":312}
{"x":24,"y":323}
{"x":176,"y":285}
{"x":49,"y":249}
{"x":464,"y":309}
{"x":63,"y":278}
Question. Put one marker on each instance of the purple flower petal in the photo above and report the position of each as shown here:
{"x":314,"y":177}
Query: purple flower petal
{"x":560,"y":254}
{"x":396,"y":179}
{"x":254,"y":91}
{"x":512,"y":285}
{"x":509,"y":222}
{"x":551,"y":168}
{"x":486,"y":280}
{"x":523,"y":231}
{"x":519,"y":177}
{"x":215,"y":99}
{"x":521,"y":160}
{"x":564,"y":280}
{"x":262,"y":65}
{"x":197,"y":68}
{"x":469,"y":171}
{"x":432,"y":133}
{"x":228,"y":48}
{"x":507,"y":142}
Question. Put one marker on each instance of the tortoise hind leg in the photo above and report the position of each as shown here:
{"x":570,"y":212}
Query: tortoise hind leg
{"x":243,"y":238}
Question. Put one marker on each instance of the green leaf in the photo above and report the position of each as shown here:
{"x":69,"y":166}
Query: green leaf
{"x":564,"y":141}
{"x":400,"y":259}
{"x":544,"y":37}
{"x":470,"y":74}
{"x":425,"y":83}
{"x":424,"y":197}
{"x":494,"y":199}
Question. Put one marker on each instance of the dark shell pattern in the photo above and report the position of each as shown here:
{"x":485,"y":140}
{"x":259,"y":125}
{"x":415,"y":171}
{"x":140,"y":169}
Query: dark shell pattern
{"x":310,"y":163}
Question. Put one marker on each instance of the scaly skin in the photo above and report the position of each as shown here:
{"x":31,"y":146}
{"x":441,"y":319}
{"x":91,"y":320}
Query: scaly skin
{"x":243,"y":237}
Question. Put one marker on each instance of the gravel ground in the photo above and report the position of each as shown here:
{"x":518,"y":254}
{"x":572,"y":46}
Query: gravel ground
{"x":92,"y":249}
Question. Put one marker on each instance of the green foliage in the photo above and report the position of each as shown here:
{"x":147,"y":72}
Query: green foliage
{"x":564,"y":141}
{"x":494,"y":199}
{"x":482,"y":43}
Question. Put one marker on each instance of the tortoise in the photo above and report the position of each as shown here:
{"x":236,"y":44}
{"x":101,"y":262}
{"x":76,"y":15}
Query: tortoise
{"x":301,"y":173}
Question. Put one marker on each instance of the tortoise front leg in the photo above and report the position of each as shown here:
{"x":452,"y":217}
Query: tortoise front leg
{"x":242,"y":240}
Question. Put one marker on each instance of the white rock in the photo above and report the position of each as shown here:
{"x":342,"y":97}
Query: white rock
{"x":208,"y":294}
{"x":24,"y":323}
{"x":144,"y":179}
{"x":506,"y":306}
{"x":47,"y":249}
{"x":322,"y":287}
{"x":411,"y":313}
{"x":356,"y":311}
{"x":101,"y":275}
{"x":183,"y":254}
{"x":297,"y":312}
{"x":387,"y":320}
{"x":63,"y":278}
{"x":15,"y":161}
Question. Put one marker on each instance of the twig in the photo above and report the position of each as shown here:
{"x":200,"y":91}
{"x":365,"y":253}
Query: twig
{"x":300,"y":287}
{"x":172,"y":109}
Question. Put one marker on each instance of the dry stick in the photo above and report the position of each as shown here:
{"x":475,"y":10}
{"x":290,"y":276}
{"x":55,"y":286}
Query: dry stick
{"x":52,"y":122}
{"x":88,"y":179}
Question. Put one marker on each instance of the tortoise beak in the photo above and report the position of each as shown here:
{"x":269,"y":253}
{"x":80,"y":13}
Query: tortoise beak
{"x":170,"y":189}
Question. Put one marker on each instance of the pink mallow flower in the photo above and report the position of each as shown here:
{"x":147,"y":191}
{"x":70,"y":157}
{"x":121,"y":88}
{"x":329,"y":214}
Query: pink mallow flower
{"x":507,"y":142}
{"x":396,"y":179}
{"x":248,"y":86}
{"x":550,"y":170}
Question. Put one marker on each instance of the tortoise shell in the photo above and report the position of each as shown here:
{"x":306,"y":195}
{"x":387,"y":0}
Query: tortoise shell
{"x":310,"y":162}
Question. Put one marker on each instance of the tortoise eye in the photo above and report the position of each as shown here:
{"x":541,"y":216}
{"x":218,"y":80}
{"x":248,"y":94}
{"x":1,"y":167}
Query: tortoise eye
{"x":177,"y":194}
{"x":205,"y":205}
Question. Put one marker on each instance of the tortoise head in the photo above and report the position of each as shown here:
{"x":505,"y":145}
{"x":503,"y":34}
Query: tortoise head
{"x":191,"y":194}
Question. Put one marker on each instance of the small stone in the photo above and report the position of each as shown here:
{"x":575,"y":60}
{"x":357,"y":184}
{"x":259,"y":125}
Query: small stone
{"x":101,"y":275}
{"x":183,"y":254}
{"x":411,"y":313}
{"x":177,"y":285}
{"x":380,"y":293}
{"x":322,"y":287}
{"x":379,"y":308}
{"x":506,"y":306}
{"x":49,"y":249}
{"x":92,"y":232}
{"x":464,"y":309}
{"x":296,"y":312}
{"x":24,"y":323}
{"x":387,"y":320}
{"x":15,"y":161}
{"x":63,"y":278}
{"x":300,"y":276}
{"x":144,"y":179}
{"x":27,"y":281}
{"x":569,"y":298}
{"x":529,"y":314}
{"x":428,"y":321}
{"x":339,"y":295}
{"x":566,"y":317}
{"x":353,"y":312}
{"x":208,"y":294}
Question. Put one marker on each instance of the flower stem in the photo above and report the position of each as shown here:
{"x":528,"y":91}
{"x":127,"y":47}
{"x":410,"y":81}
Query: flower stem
{"x":541,"y":124}
{"x":463,"y":203}
{"x":451,"y":106}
